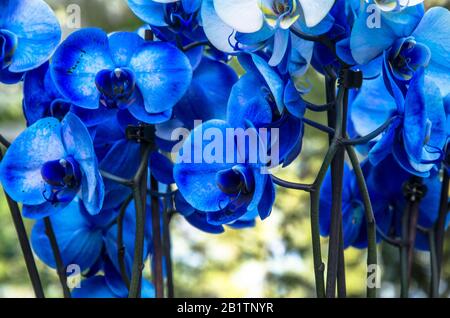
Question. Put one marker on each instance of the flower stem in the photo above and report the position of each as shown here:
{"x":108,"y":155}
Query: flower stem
{"x":167,"y":244}
{"x":140,"y":181}
{"x":116,"y":179}
{"x":439,"y":231}
{"x":4,"y":142}
{"x":157,"y":244}
{"x":412,"y":235}
{"x":138,"y":266}
{"x":194,"y":45}
{"x":292,"y":185}
{"x":369,"y":137}
{"x":318,"y":126}
{"x":121,"y":247}
{"x":337,"y":177}
{"x":319,"y":266}
{"x":341,"y":281}
{"x":414,"y":190}
{"x":60,"y":268}
{"x":434,"y":282}
{"x":319,"y":108}
{"x":24,"y":242}
{"x":404,"y":279}
{"x":26,"y":248}
{"x":372,"y":257}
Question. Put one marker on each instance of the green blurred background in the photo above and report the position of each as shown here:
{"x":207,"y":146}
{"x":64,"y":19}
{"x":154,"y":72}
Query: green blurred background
{"x":271,"y":260}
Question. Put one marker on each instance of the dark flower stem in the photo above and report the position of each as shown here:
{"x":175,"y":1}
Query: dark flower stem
{"x":121,"y":247}
{"x":318,"y":126}
{"x":434,"y":280}
{"x":117,"y":179}
{"x":322,"y":39}
{"x":138,"y":265}
{"x":60,"y":268}
{"x":389,"y":240}
{"x":341,"y":281}
{"x":140,"y":205}
{"x":319,"y":266}
{"x":414,"y":190}
{"x":439,"y":231}
{"x":369,"y":137}
{"x":167,"y":243}
{"x":292,"y":185}
{"x":26,"y":248}
{"x":4,"y":142}
{"x":412,"y":235}
{"x":372,"y":257}
{"x":319,"y":108}
{"x":24,"y":242}
{"x":157,"y":244}
{"x":337,"y":177}
{"x":404,"y":279}
{"x":194,"y":45}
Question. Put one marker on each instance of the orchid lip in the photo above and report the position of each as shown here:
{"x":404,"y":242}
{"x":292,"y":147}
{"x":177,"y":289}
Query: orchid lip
{"x":235,"y":181}
{"x":280,"y":13}
{"x":177,"y":18}
{"x":62,"y":178}
{"x":407,"y":56}
{"x":59,"y":108}
{"x":391,"y":5}
{"x":117,"y":87}
{"x":8,"y":45}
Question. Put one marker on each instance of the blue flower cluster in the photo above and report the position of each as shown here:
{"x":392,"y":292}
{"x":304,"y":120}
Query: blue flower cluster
{"x":175,"y":74}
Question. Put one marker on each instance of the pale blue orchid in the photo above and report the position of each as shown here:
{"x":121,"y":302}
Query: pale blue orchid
{"x":395,"y":5}
{"x":248,"y":16}
{"x":252,"y":22}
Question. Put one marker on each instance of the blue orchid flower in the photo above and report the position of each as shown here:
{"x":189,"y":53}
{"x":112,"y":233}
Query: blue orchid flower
{"x":254,"y":25}
{"x":353,"y":210}
{"x":388,"y":203}
{"x":418,"y":132}
{"x":122,"y":159}
{"x":79,"y":236}
{"x":29,"y":34}
{"x":428,"y":212}
{"x":225,"y":189}
{"x":123,"y":73}
{"x":405,"y":40}
{"x":50,"y":164}
{"x":176,"y":21}
{"x":103,"y":287}
{"x":248,"y":16}
{"x":165,"y":12}
{"x":427,"y":46}
{"x":109,"y":285}
{"x":200,"y":219}
{"x":368,"y":41}
{"x":391,"y":191}
{"x":262,"y":99}
{"x":91,"y":242}
{"x":395,"y":5}
{"x":128,"y":239}
{"x":42,"y":99}
{"x":206,"y":99}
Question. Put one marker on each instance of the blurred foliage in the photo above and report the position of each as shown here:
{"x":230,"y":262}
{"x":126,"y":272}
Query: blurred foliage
{"x":274,"y":259}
